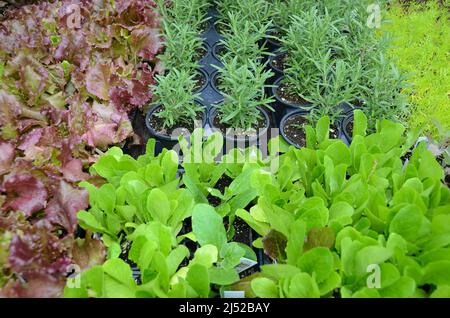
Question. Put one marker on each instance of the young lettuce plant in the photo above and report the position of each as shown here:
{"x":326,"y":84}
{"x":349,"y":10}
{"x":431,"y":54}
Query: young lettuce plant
{"x":243,"y":87}
{"x":174,"y":93}
{"x":159,"y":256}
{"x":203,"y":170}
{"x":137,"y":192}
{"x":332,"y":213}
{"x":209,"y":231}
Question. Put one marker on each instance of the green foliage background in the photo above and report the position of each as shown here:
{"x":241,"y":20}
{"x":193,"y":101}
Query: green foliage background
{"x":421,"y":47}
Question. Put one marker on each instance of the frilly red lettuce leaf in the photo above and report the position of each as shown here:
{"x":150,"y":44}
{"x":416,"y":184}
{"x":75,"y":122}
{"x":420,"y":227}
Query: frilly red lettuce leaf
{"x":7,"y":154}
{"x":38,"y":250}
{"x":25,"y":193}
{"x":38,"y":285}
{"x":71,"y":70}
{"x":63,"y":207}
{"x":98,"y":80}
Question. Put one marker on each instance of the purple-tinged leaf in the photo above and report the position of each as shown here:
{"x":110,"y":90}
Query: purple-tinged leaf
{"x":63,"y":207}
{"x":25,"y":193}
{"x":274,"y":244}
{"x":7,"y":153}
{"x":323,"y":236}
{"x":98,"y":80}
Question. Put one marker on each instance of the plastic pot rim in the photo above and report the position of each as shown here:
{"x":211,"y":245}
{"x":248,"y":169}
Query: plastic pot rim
{"x":213,"y":113}
{"x":165,"y":137}
{"x":274,"y":89}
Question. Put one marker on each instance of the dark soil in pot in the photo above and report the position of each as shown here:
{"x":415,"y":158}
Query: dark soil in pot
{"x":295,"y":134}
{"x":221,"y":184}
{"x":285,"y":93}
{"x":334,"y":131}
{"x":219,"y":50}
{"x":261,"y":124}
{"x":349,"y":128}
{"x":407,"y":156}
{"x":243,"y":232}
{"x":278,"y":62}
{"x":191,"y":245}
{"x":200,"y":53}
{"x":200,"y":80}
{"x":293,"y":131}
{"x":447,"y":180}
{"x":156,"y":124}
{"x":204,"y":26}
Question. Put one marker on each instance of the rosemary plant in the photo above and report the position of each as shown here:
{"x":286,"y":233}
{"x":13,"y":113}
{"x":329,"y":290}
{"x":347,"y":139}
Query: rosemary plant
{"x":241,"y":40}
{"x":336,"y":86}
{"x":182,"y":45}
{"x":283,"y":10}
{"x":192,"y":12}
{"x":174,"y":93}
{"x":383,"y":93}
{"x":310,"y":41}
{"x":243,"y":86}
{"x":255,"y":11}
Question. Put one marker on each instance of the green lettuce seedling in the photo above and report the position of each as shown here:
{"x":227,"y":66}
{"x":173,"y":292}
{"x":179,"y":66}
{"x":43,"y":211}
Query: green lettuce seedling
{"x":375,"y":214}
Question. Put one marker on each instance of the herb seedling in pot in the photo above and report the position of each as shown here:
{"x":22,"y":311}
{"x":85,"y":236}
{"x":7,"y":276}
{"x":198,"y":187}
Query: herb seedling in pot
{"x":192,"y":13}
{"x":184,"y":48}
{"x":309,"y":39}
{"x":244,"y":86}
{"x":176,"y":105}
{"x":241,"y":40}
{"x":254,"y":11}
{"x":282,"y":11}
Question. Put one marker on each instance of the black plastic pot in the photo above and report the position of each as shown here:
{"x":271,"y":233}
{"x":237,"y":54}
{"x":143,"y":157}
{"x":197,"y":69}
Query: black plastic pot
{"x":136,"y":274}
{"x":164,"y":141}
{"x":338,"y":125}
{"x":350,"y":107}
{"x":272,"y":44}
{"x":206,"y":78}
{"x":276,"y":84}
{"x":278,"y":71}
{"x":207,"y":48}
{"x":215,"y":50}
{"x":214,"y":79}
{"x":283,"y":107}
{"x":283,"y":123}
{"x":344,"y":123}
{"x":239,"y":142}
